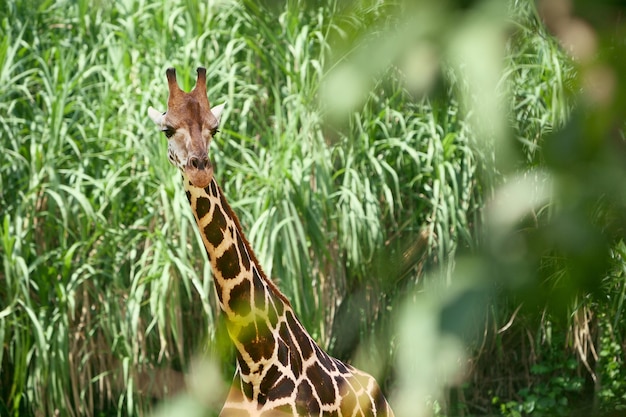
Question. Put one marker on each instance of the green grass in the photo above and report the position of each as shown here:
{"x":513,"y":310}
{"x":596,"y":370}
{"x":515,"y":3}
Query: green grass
{"x":365,"y":204}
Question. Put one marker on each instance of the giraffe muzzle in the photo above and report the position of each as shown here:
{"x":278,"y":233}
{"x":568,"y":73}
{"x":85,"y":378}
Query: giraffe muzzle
{"x":199,"y":171}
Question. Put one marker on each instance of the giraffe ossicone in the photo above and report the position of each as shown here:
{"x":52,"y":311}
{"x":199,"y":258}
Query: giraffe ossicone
{"x":280,"y":370}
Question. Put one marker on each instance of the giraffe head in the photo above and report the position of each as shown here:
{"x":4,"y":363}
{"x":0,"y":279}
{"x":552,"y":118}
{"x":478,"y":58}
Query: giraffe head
{"x":189,"y":125}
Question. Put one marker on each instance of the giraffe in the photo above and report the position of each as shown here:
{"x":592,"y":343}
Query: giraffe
{"x":280,"y":370}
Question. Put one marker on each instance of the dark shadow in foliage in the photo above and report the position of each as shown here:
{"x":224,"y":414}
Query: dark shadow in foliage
{"x":365,"y":308}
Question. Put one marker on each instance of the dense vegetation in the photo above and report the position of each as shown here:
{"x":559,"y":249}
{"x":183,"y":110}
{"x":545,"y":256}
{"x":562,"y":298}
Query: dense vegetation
{"x":437,"y":187}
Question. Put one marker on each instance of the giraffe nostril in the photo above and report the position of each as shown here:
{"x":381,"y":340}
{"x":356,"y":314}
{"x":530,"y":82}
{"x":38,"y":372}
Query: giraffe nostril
{"x":199,"y":163}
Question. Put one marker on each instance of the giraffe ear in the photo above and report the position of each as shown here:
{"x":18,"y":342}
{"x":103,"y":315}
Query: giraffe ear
{"x":217,"y":111}
{"x":155,"y":115}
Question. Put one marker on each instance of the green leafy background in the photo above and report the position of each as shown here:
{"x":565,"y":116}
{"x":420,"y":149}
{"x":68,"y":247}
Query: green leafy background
{"x":436,"y":186}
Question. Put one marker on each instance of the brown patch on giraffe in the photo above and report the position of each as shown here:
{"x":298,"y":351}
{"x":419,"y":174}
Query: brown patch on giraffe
{"x":323,"y":383}
{"x":261,"y":341}
{"x":214,"y":231}
{"x":228,"y":263}
{"x":239,"y":301}
{"x":341,"y":367}
{"x":258,"y":342}
{"x":306,"y":403}
{"x":294,"y":358}
{"x":259,"y":292}
{"x":283,"y":353}
{"x":280,"y":308}
{"x":324,"y":359}
{"x":303,"y":341}
{"x":281,"y":389}
{"x":203,"y":205}
{"x":269,"y":381}
{"x":272,"y":314}
{"x":296,"y":363}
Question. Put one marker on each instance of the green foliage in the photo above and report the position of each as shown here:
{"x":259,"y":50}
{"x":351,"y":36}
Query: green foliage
{"x":360,"y":145}
{"x":611,"y":370}
{"x":613,"y":389}
{"x":549,"y":397}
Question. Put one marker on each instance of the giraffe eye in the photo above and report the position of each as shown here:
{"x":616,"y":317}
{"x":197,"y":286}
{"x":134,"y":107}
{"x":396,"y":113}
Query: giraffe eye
{"x":169,"y":131}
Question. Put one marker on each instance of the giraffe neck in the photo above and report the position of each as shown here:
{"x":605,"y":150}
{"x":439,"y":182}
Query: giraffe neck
{"x":251,"y":302}
{"x":280,"y":369}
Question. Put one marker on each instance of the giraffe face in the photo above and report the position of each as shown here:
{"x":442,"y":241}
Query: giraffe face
{"x":189,"y":125}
